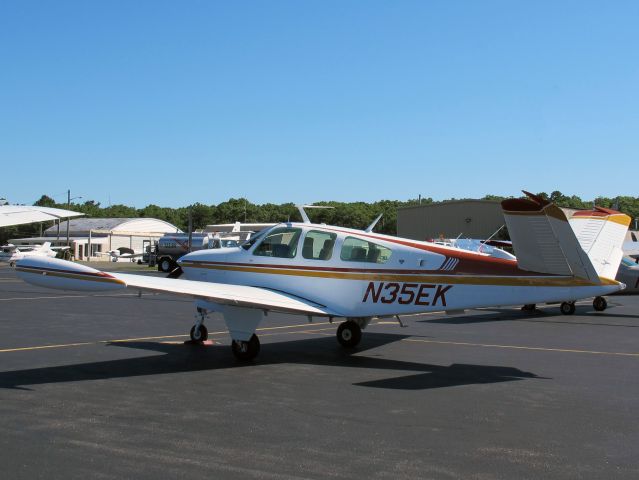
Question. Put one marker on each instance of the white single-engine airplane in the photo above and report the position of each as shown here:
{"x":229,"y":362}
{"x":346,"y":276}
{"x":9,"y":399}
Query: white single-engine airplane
{"x":356,"y":275}
{"x":122,"y":253}
{"x":11,"y":253}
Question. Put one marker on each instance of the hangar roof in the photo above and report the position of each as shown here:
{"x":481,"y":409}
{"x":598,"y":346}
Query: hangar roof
{"x":81,"y":226}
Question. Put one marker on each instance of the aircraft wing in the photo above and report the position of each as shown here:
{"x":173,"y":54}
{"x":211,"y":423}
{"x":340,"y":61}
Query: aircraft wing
{"x":64,"y":275}
{"x":20,"y":214}
{"x":232,"y":295}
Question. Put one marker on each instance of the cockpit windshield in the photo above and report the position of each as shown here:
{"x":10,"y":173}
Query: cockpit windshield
{"x":247,"y":244}
{"x":629,"y":262}
{"x":279,"y":242}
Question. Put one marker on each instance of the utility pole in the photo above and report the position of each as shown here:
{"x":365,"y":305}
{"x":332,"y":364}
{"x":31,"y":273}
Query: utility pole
{"x":68,"y":219}
{"x":190,"y":228}
{"x":68,"y":208}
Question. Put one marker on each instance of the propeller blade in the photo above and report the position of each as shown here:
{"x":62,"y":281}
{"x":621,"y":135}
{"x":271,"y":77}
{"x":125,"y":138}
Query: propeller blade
{"x":175,"y":273}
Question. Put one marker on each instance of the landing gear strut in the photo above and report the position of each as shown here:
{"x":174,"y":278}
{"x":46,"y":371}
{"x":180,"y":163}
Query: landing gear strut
{"x":246,"y":351}
{"x":567,"y":308}
{"x":349,"y":334}
{"x":599,"y":304}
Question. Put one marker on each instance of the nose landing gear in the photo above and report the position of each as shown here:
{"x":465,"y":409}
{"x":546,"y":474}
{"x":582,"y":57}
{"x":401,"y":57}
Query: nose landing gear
{"x":199,"y":333}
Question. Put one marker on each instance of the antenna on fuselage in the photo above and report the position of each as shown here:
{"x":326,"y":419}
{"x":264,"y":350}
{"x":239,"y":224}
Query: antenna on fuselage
{"x":301,"y":208}
{"x":372,"y":225}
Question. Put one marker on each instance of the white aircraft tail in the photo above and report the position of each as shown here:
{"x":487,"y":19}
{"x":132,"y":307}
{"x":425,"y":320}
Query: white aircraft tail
{"x":601,"y":233}
{"x":545,"y":242}
{"x":46,"y":246}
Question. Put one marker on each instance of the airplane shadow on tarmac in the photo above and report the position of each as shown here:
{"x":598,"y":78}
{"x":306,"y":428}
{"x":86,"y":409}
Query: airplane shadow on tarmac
{"x":322,"y":352}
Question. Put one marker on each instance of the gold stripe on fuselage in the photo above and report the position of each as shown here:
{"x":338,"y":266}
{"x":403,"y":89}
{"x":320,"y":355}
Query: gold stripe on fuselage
{"x":423,"y":278}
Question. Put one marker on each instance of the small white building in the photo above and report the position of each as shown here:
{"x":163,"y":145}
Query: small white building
{"x":88,"y":237}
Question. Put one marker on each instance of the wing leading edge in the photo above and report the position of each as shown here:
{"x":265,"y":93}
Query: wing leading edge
{"x":64,"y":275}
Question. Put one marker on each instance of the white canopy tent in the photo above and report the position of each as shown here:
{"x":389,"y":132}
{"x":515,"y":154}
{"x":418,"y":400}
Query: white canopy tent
{"x":21,"y":214}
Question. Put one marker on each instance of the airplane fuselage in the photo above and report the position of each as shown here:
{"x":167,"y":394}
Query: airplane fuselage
{"x":407,"y":277}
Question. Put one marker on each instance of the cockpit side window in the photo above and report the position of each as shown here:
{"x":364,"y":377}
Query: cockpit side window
{"x":279,"y":242}
{"x":357,"y":250}
{"x":318,"y":245}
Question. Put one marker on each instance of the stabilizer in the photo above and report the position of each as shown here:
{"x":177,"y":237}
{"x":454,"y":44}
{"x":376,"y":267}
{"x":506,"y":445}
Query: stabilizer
{"x":601,"y":233}
{"x":543,"y":239}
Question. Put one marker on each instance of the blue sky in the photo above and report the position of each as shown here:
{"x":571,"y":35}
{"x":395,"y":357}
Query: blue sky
{"x":198,"y":101}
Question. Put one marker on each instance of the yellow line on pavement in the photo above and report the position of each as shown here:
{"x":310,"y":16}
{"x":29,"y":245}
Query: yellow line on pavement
{"x":52,"y":297}
{"x":137,"y":339}
{"x":518,"y":347}
{"x":41,"y":347}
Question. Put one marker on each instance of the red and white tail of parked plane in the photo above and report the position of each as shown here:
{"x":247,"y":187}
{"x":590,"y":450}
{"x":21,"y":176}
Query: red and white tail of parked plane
{"x":357,"y":275}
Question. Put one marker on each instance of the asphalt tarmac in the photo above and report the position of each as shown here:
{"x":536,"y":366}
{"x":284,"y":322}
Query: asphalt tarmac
{"x":103,"y":386}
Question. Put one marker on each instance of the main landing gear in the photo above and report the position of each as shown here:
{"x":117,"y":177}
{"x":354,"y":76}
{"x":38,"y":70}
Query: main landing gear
{"x":599,"y":304}
{"x":246,"y":351}
{"x":349,"y":333}
{"x":567,"y":308}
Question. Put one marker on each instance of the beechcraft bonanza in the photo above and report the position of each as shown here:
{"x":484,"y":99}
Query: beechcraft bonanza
{"x":357,"y":275}
{"x":122,"y":253}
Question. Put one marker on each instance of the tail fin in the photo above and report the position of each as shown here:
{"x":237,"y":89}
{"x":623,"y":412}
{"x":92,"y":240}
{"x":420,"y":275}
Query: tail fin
{"x":46,"y":245}
{"x":543,"y":239}
{"x":601,"y":233}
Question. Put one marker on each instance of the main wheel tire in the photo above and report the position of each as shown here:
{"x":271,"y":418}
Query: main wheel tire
{"x":246,"y":351}
{"x":567,"y":308}
{"x":349,"y":334}
{"x":599,"y":304}
{"x":199,"y":335}
{"x":529,"y":307}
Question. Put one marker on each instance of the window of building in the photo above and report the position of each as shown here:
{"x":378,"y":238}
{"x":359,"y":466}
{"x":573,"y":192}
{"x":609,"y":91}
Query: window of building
{"x":357,"y":250}
{"x":318,"y":245}
{"x":279,"y":242}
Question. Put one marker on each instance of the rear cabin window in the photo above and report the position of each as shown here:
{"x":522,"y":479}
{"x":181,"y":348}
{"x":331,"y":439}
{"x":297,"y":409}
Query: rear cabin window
{"x":279,"y":242}
{"x":318,"y":245}
{"x":357,"y":250}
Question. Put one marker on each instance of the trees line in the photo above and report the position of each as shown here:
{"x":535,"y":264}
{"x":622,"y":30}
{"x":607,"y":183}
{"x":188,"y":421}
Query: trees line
{"x":348,"y":214}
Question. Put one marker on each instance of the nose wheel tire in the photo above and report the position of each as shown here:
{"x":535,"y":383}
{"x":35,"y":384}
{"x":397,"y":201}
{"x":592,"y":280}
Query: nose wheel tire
{"x":199,"y":334}
{"x":349,"y":334}
{"x":567,"y":308}
{"x":599,"y":304}
{"x":246,"y":351}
